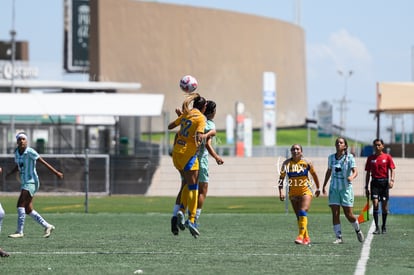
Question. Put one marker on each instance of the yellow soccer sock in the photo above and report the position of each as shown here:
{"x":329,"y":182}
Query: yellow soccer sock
{"x":303,"y":223}
{"x":192,"y":201}
{"x":306,"y":234}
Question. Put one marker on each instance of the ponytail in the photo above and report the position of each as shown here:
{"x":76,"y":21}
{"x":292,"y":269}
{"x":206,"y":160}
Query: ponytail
{"x":198,"y":102}
{"x":187,"y":102}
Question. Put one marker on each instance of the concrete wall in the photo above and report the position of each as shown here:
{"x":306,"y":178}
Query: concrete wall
{"x":258,"y":177}
{"x":156,"y":44}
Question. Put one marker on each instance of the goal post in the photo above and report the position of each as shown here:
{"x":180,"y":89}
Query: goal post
{"x":73,"y":168}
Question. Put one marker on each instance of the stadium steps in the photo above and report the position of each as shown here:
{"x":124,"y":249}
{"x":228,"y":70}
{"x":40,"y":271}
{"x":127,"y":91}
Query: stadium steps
{"x":257,"y":176}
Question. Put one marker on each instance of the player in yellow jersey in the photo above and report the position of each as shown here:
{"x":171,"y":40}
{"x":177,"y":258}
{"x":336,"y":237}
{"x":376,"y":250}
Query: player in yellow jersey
{"x":192,"y":123}
{"x":299,"y":184}
{"x":204,"y":150}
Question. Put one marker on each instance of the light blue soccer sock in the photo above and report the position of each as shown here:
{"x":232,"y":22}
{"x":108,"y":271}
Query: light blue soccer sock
{"x":175,"y":209}
{"x":337,"y":230}
{"x":198,"y":213}
{"x":355,"y":225}
{"x":21,"y":216}
{"x":39,"y":219}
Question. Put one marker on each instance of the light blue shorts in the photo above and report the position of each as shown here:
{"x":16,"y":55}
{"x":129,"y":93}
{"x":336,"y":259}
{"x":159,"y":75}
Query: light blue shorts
{"x":31,"y":187}
{"x":342,"y":197}
{"x":203,"y":170}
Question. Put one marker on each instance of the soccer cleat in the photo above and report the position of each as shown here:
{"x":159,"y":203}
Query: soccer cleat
{"x":48,"y":231}
{"x":360,"y":236}
{"x":180,"y":220}
{"x":174,"y":227}
{"x":299,"y":240}
{"x":338,"y":241}
{"x":193,"y":229}
{"x":196,"y":225}
{"x":306,"y":241}
{"x":377,"y":231}
{"x":4,"y":253}
{"x":384,"y":230}
{"x":16,"y":235}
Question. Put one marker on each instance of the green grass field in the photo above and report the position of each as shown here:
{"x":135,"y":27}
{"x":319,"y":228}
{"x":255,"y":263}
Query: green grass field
{"x":126,"y":234}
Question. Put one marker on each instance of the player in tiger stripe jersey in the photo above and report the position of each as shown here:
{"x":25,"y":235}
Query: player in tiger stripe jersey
{"x":188,"y":139}
{"x":297,"y":170}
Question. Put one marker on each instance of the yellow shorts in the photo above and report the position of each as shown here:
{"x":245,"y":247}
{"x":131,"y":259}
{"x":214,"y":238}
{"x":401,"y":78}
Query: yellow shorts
{"x":185,"y":163}
{"x":294,"y":192}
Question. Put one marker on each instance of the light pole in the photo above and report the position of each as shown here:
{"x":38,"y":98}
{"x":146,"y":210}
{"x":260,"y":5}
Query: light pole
{"x":13,"y":61}
{"x":13,"y":46}
{"x":343,"y":101}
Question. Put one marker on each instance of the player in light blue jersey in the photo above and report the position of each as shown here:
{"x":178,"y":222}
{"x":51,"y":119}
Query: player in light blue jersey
{"x":206,"y":148}
{"x":342,"y":170}
{"x":25,"y":158}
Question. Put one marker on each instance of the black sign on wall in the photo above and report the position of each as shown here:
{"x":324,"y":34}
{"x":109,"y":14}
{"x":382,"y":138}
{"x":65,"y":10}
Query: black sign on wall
{"x":22,"y":50}
{"x":76,"y":34}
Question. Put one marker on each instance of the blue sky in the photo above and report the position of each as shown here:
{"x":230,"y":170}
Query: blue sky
{"x":373,"y":38}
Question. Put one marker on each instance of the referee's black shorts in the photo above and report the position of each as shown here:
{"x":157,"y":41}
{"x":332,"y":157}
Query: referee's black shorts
{"x":379,"y":189}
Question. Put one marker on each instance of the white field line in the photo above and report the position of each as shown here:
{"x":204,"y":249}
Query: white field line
{"x":166,"y":253}
{"x":363,"y":259}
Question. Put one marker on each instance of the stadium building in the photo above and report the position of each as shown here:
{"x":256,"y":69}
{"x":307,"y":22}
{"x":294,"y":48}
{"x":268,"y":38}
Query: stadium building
{"x":138,"y":47}
{"x":155,"y":44}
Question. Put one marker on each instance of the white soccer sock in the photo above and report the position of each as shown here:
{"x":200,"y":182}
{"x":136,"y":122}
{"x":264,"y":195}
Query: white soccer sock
{"x":198,"y":213}
{"x":21,"y":216}
{"x":175,"y":209}
{"x":337,"y":230}
{"x":356,"y":226}
{"x":39,"y":219}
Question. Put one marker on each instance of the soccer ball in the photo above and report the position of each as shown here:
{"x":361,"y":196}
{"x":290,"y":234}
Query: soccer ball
{"x":188,"y":83}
